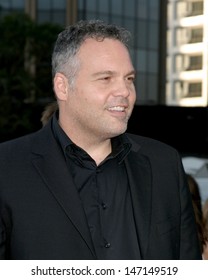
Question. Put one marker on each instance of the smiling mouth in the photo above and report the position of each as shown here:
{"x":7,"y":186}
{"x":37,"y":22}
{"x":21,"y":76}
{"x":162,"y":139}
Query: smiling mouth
{"x":117,"y":109}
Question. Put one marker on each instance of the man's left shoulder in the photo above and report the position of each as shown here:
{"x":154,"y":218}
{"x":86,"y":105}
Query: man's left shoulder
{"x":150,"y":145}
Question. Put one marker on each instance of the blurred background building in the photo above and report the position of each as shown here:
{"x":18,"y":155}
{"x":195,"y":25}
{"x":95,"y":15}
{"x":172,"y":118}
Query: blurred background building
{"x":146,"y":19}
{"x":187,"y":53}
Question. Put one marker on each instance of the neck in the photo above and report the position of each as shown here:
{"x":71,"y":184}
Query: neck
{"x":97,"y":147}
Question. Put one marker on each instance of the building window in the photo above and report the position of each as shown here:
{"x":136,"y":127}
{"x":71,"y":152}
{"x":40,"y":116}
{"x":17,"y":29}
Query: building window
{"x":184,"y":89}
{"x":188,"y":62}
{"x":7,"y":7}
{"x":53,"y":11}
{"x":188,"y":35}
{"x":195,"y":63}
{"x":195,"y":8}
{"x":194,"y":90}
{"x":196,"y":35}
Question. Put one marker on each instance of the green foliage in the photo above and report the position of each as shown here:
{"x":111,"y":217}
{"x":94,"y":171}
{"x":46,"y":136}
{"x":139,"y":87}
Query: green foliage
{"x":25,"y":72}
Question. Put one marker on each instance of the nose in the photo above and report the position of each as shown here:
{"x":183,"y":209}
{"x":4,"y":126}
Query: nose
{"x":124,"y":88}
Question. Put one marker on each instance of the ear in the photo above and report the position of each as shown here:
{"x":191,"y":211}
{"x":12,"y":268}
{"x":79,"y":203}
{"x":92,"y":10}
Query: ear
{"x":61,"y":86}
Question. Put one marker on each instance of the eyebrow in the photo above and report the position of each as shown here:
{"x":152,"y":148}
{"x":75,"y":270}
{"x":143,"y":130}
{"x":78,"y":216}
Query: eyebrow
{"x":112,"y":73}
{"x":133,"y":72}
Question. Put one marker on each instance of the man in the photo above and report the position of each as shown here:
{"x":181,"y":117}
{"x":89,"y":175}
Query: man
{"x":80,"y":188}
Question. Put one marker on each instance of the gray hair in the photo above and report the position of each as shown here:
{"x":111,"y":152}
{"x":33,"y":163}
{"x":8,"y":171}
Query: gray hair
{"x":69,"y":41}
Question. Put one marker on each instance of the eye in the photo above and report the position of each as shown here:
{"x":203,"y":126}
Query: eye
{"x":105,"y":78}
{"x":131,"y":79}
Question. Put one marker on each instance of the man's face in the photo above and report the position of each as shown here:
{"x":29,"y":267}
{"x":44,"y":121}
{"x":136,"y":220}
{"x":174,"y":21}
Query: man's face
{"x":104,"y":94}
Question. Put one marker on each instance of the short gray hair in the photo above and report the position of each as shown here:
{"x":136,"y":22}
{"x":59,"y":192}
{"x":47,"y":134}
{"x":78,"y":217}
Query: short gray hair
{"x":69,"y":41}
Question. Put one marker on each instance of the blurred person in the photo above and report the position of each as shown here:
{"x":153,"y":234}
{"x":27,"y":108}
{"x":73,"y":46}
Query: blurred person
{"x":197,"y":205}
{"x":48,"y":112}
{"x":205,"y":211}
{"x":83,"y":188}
{"x":205,"y":214}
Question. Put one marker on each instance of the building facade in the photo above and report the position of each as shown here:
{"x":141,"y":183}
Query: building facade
{"x":187,"y":53}
{"x":146,"y":19}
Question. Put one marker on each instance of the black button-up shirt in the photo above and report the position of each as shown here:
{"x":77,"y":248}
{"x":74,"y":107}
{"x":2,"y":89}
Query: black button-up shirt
{"x":105,"y":195}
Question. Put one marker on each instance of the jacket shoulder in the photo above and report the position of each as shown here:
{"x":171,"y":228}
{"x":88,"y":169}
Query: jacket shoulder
{"x":24,"y":143}
{"x":149,"y":145}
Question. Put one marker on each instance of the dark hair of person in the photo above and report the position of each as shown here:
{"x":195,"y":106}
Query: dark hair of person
{"x":48,"y":112}
{"x":197,"y":205}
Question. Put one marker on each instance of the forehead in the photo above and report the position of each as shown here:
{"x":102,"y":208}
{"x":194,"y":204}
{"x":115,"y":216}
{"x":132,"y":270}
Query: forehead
{"x":106,"y":51}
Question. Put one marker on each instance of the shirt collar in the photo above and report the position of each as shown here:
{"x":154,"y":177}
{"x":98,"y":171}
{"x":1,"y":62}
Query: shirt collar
{"x":121,"y":146}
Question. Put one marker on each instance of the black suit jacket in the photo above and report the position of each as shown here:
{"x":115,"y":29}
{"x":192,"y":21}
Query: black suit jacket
{"x":41,"y":215}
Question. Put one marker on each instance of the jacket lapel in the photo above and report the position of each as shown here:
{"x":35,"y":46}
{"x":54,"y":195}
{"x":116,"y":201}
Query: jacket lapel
{"x":50,"y":164}
{"x":140,"y":176}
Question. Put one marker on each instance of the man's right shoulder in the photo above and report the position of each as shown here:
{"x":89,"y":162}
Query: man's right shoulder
{"x":26,"y":140}
{"x":16,"y":143}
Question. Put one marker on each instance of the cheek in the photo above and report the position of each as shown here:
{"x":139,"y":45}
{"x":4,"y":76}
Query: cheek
{"x":91,"y":96}
{"x":132,"y":97}
{"x":94,"y":98}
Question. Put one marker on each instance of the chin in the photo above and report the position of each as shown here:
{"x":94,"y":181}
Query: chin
{"x":118,"y":132}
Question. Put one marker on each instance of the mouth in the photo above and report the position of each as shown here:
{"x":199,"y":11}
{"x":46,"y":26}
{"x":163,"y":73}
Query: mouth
{"x":117,"y":108}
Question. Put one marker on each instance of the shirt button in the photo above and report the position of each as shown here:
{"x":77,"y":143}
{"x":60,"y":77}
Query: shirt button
{"x":107,"y":245}
{"x":104,"y":206}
